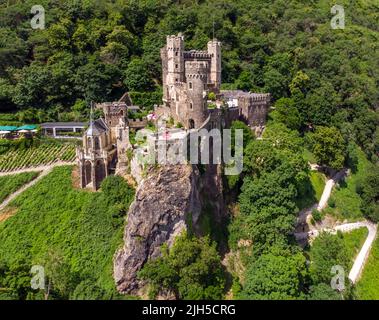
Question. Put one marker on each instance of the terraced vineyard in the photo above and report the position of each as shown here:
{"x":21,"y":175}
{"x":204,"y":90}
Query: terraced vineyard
{"x":32,"y":157}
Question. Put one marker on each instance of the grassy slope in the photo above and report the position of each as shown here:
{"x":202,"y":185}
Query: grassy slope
{"x":354,"y":241}
{"x":368,"y":285}
{"x":347,"y":201}
{"x":317,"y":184}
{"x":42,"y":154}
{"x":10,"y":184}
{"x":76,"y":224}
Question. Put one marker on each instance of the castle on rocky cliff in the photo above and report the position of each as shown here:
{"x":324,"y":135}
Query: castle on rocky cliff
{"x":192,"y":97}
{"x":188,"y":79}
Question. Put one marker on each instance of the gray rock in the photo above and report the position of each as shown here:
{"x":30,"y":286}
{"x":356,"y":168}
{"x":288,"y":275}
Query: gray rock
{"x":165,"y":201}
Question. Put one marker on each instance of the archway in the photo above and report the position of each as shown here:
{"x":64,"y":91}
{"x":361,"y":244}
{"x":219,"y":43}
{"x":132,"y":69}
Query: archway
{"x":100,"y":172}
{"x":89,"y":142}
{"x":191,"y":124}
{"x":87,"y":173}
{"x":97,"y":143}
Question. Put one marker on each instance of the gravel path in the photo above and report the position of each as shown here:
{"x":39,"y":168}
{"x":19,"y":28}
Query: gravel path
{"x":363,"y":254}
{"x":305,"y":214}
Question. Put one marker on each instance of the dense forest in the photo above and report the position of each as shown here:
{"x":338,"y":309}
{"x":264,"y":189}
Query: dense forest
{"x":95,"y":50}
{"x":324,"y":86}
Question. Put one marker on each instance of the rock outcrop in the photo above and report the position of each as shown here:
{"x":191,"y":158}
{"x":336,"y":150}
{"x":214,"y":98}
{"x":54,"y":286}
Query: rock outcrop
{"x":166,"y":200}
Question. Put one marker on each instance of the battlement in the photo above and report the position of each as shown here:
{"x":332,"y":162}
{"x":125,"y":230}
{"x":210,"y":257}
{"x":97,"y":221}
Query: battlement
{"x":175,"y":37}
{"x":180,"y":84}
{"x":175,"y":43}
{"x":239,"y":94}
{"x":197,"y":54}
{"x":196,"y":68}
{"x":196,"y":76}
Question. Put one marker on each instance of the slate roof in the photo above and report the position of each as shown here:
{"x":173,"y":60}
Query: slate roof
{"x":96,"y":128}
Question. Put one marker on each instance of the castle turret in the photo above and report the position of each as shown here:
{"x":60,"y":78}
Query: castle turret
{"x":196,"y":81}
{"x":173,"y":63}
{"x":214,"y":49}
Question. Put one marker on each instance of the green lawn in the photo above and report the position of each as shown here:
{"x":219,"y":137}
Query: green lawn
{"x":367,"y":287}
{"x":10,"y":184}
{"x":345,"y":203}
{"x":81,"y":229}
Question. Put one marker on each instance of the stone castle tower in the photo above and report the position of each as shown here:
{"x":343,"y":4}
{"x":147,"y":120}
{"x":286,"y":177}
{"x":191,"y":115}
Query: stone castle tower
{"x":188,"y":77}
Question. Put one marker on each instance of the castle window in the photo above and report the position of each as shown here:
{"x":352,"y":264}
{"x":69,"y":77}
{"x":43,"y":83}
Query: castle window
{"x":97,"y":143}
{"x":176,"y":79}
{"x":190,"y":85}
{"x":191,"y":106}
{"x":176,"y":66}
{"x":176,"y":53}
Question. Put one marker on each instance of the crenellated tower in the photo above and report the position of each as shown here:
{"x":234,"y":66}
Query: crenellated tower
{"x":172,"y":63}
{"x":214,"y":49}
{"x":196,"y":74}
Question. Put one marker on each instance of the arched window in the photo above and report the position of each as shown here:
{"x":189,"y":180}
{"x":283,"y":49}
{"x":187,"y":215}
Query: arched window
{"x":191,"y":106}
{"x":97,"y":143}
{"x":191,"y":124}
{"x":89,"y":142}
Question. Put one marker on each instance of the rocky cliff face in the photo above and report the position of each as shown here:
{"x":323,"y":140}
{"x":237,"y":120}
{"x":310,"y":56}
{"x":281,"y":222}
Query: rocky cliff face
{"x":165,"y":201}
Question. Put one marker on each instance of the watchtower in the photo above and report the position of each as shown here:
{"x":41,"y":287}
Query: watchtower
{"x":172,"y":63}
{"x":196,"y":73}
{"x":214,"y":49}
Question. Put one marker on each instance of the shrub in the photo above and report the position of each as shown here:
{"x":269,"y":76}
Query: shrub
{"x":317,"y":216}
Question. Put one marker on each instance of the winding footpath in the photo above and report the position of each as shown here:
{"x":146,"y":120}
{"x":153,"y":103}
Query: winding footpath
{"x":305,"y":215}
{"x":45,"y":170}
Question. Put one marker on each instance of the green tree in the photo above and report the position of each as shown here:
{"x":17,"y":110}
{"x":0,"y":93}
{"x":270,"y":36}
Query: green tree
{"x":137,"y":77}
{"x":287,"y":113}
{"x":327,"y":251}
{"x":328,"y":147}
{"x":323,"y":291}
{"x":369,"y":192}
{"x":277,"y":274}
{"x":191,"y":269}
